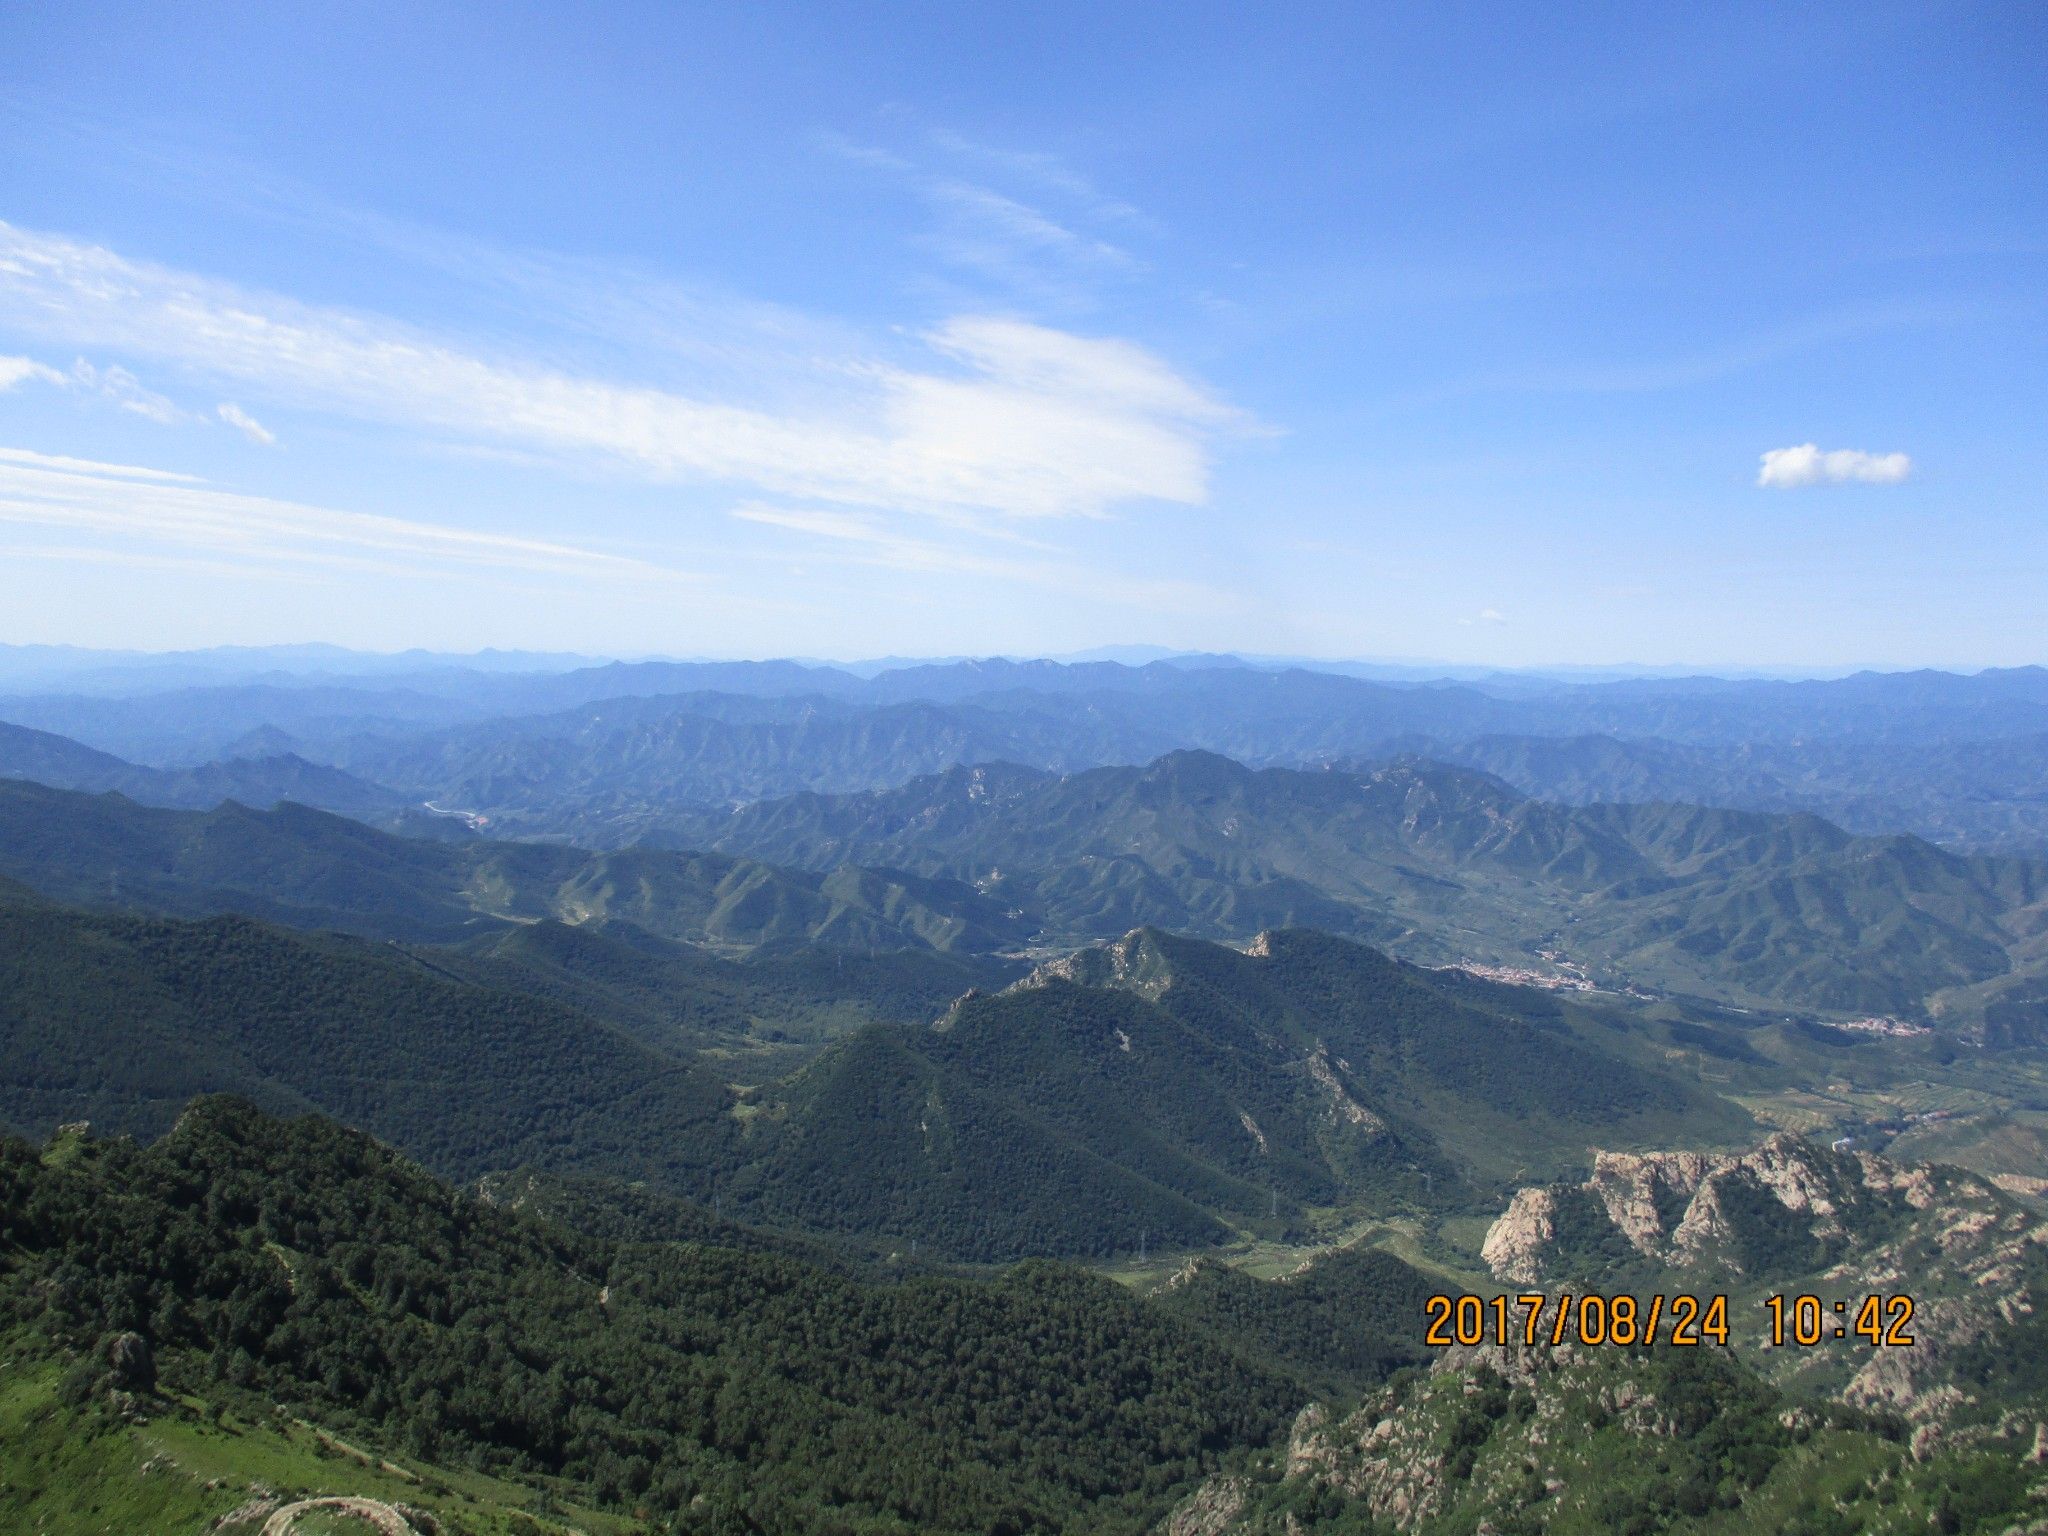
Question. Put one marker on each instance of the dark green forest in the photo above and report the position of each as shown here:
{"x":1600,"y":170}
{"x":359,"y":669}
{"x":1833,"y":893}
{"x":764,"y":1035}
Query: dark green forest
{"x":302,"y":1263}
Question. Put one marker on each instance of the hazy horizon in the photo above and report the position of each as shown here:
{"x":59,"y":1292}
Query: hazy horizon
{"x":1132,"y":654}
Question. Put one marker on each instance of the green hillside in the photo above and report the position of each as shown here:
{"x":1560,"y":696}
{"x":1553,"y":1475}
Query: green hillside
{"x":1159,"y":1094}
{"x":294,"y":1271}
{"x":1344,"y":1323}
{"x":759,"y":1013}
{"x":121,"y":1020}
{"x":254,"y":1311}
{"x":1170,"y":1093}
{"x":310,"y":869}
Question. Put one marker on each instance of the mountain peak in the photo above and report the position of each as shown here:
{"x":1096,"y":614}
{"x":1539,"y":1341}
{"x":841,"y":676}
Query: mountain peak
{"x":1138,"y":962}
{"x":1193,"y":764}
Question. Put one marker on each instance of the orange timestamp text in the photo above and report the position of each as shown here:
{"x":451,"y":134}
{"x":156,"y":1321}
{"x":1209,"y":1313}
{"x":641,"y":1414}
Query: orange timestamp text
{"x":1687,"y":1321}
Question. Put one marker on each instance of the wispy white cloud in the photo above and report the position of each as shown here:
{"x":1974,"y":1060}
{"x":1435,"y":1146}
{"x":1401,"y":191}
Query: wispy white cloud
{"x":157,"y":510}
{"x":56,"y":461}
{"x":245,"y":424}
{"x":1808,"y":464}
{"x":1000,"y":232}
{"x":1486,"y":616}
{"x":117,"y":384}
{"x":1004,"y":419}
{"x":112,"y":383}
{"x":986,"y":228}
{"x":21,"y":370}
{"x":1047,"y":171}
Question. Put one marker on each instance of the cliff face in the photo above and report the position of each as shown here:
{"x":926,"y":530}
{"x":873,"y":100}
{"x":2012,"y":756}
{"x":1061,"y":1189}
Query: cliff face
{"x":1520,"y":1241}
{"x":1696,"y":1209}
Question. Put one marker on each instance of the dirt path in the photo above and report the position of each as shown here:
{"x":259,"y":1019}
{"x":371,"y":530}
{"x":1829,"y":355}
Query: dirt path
{"x":382,"y":1516}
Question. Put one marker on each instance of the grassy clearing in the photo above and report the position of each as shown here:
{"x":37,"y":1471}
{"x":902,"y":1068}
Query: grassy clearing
{"x":63,"y":1473}
{"x":1797,"y":1110}
{"x":1264,"y":1259}
{"x":66,"y":1471}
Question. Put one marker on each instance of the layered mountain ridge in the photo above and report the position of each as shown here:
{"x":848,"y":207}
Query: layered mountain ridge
{"x":1447,"y":865}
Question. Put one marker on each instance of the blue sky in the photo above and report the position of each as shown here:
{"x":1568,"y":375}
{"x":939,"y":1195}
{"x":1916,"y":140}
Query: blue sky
{"x":1458,"y":333}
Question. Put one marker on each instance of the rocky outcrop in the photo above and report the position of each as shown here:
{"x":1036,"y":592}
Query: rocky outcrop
{"x":1689,"y":1208}
{"x":1131,"y":964}
{"x":1342,"y":1104}
{"x":131,"y":1363}
{"x":1519,"y":1242}
{"x":1836,"y":1224}
{"x":378,"y":1516}
{"x":1637,"y":1188}
{"x":1209,"y":1511}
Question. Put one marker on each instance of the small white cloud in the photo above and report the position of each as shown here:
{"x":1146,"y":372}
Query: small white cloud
{"x":245,"y":424}
{"x":19,"y":370}
{"x":1486,"y":616}
{"x":1786,"y":469}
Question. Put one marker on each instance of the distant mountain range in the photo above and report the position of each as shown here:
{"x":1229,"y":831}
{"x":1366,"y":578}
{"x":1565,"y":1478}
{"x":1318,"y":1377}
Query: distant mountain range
{"x":1446,"y":865}
{"x":602,"y":753}
{"x":314,"y":870}
{"x":700,"y":1035}
{"x":262,"y":782}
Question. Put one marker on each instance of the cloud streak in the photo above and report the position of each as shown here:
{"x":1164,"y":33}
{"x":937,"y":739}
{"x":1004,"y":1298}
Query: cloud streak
{"x":245,"y":424}
{"x":155,"y":508}
{"x":1807,"y":464}
{"x":22,"y":370}
{"x":1002,"y":419}
{"x":1043,"y":256}
{"x":112,"y":383}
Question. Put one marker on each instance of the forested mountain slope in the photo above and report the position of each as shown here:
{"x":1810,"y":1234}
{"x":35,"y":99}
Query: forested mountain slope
{"x":286,"y":1300}
{"x":258,"y":781}
{"x":1446,"y":864}
{"x":295,"y":1263}
{"x":1173,"y":1092}
{"x":311,"y":869}
{"x":121,"y":1020}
